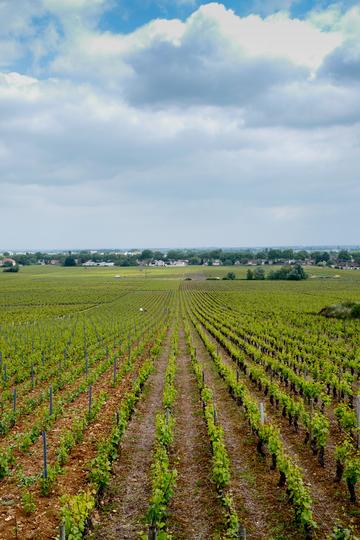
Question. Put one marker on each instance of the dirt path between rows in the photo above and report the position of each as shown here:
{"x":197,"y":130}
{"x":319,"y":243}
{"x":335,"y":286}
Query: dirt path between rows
{"x":330,"y":500}
{"x":126,"y":500}
{"x":195,"y":511}
{"x":261,"y":505}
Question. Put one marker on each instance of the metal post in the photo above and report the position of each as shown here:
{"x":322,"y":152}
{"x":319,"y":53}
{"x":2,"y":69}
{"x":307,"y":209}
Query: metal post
{"x":45,"y":473}
{"x":32,"y":376}
{"x":311,"y":416}
{"x":241,"y":533}
{"x":62,"y":532}
{"x":86,"y":364}
{"x":115,"y":367}
{"x":358,"y":418}
{"x":90,"y":398}
{"x":262,"y":412}
{"x":14,"y":400}
{"x":51,"y":400}
{"x":152,"y":534}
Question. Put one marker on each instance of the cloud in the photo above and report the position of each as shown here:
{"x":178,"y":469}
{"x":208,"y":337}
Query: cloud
{"x":343,"y":64}
{"x":216,"y":129}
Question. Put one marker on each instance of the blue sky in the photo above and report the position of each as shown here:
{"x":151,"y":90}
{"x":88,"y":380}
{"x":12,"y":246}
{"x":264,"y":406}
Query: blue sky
{"x":179,"y":123}
{"x":126,"y":16}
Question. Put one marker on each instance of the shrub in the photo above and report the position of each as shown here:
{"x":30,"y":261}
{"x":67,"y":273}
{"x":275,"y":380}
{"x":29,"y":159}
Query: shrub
{"x":230,"y":275}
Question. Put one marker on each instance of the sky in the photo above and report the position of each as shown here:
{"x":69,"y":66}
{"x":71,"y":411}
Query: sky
{"x":144,"y":123}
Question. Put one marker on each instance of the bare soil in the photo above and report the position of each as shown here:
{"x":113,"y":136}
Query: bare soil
{"x":195,"y":511}
{"x":43,"y":523}
{"x":261,"y":505}
{"x":330,"y":500}
{"x":125,"y":503}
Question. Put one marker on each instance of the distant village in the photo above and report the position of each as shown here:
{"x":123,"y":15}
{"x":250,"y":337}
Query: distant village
{"x":343,"y":259}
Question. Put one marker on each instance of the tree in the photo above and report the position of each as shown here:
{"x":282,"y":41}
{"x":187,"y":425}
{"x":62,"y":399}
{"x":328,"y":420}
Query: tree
{"x":344,"y":256}
{"x":158,"y":255}
{"x":146,"y":255}
{"x":249,"y":274}
{"x":301,"y":255}
{"x":69,"y":261}
{"x":230,"y":275}
{"x":259,"y":273}
{"x":294,"y":273}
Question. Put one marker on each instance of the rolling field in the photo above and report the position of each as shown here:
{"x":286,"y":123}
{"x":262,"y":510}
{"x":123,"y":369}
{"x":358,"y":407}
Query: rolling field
{"x":156,"y":403}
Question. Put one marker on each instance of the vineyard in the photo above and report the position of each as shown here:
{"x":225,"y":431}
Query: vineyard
{"x":161,"y":404}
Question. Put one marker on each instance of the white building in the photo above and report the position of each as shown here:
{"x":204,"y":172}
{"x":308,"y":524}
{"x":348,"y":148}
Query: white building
{"x":157,"y":263}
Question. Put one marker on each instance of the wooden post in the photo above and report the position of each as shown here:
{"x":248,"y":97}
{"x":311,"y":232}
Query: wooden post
{"x":14,"y":400}
{"x":32,"y":376}
{"x":215,"y":414}
{"x":117,"y":418}
{"x":115,"y":368}
{"x":45,"y":472}
{"x":152,"y":534}
{"x":311,"y":416}
{"x":167,"y":415}
{"x":86,"y":364}
{"x":51,"y":400}
{"x":358,"y":419}
{"x":203,"y":378}
{"x":262,"y":412}
{"x":90,"y":398}
{"x":5,"y":374}
{"x":241,"y":533}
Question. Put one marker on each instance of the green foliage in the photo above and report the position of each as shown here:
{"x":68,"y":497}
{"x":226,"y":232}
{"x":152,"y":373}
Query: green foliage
{"x":11,"y":268}
{"x":69,"y":261}
{"x":344,"y":310}
{"x":75,"y":511}
{"x":6,"y":459}
{"x":291,"y":273}
{"x":46,"y":484}
{"x":230,"y":275}
{"x":28,"y":502}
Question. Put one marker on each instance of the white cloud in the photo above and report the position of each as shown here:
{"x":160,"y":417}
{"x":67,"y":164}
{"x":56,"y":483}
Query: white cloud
{"x":249,"y":122}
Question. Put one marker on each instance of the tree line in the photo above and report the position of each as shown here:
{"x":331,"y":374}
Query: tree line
{"x":194,"y":257}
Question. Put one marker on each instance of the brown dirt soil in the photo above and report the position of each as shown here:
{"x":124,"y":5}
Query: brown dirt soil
{"x":261,"y":505}
{"x":43,"y":523}
{"x":126,"y":501}
{"x":25,"y":421}
{"x":195,"y":511}
{"x":330,"y":500}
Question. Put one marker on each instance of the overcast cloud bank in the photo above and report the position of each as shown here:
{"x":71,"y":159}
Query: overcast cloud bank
{"x":217,"y":129}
